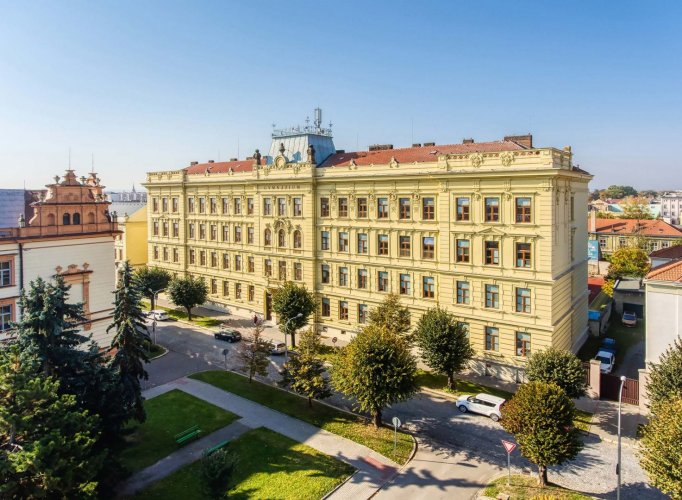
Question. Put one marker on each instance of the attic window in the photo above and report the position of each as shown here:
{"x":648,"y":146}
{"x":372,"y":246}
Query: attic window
{"x":435,"y":151}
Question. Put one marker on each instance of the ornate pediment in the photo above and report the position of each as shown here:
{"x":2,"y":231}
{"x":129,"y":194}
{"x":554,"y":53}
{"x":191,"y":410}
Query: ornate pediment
{"x":491,"y":231}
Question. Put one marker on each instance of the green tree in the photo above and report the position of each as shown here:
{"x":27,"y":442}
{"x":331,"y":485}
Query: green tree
{"x":560,"y":367}
{"x":540,"y":416}
{"x":305,"y":372}
{"x":665,"y":377}
{"x":661,"y":453}
{"x":152,"y":280}
{"x":288,"y":302}
{"x":443,"y":343}
{"x":628,"y":262}
{"x":253,"y":356}
{"x":616,"y":191}
{"x":216,"y":471}
{"x":391,"y":314}
{"x":130,"y":343}
{"x":636,"y":208}
{"x":187,"y":292}
{"x":376,"y":369}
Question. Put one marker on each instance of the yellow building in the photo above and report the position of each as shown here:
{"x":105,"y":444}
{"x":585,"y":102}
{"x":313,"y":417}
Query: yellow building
{"x":495,"y":232}
{"x":131,"y":244}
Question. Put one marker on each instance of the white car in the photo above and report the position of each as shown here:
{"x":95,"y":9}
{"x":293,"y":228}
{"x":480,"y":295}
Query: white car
{"x":278,"y":348}
{"x":158,"y":315}
{"x":484,"y":404}
{"x":606,"y":361}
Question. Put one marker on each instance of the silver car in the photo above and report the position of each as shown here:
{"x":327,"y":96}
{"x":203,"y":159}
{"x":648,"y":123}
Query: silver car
{"x":484,"y":404}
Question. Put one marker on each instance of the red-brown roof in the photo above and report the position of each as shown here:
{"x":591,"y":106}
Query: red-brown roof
{"x":673,"y":252}
{"x":670,"y":271}
{"x":649,"y":228}
{"x":419,"y":154}
{"x":221,"y":167}
{"x":594,"y":284}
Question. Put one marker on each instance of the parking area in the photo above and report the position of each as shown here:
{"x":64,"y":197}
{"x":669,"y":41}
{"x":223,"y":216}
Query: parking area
{"x":629,"y":347}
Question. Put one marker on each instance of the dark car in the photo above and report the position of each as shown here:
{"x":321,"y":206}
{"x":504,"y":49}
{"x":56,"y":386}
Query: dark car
{"x":229,"y":335}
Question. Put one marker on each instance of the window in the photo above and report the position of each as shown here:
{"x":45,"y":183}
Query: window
{"x":343,"y":242}
{"x":191,"y":255}
{"x":251,"y":265}
{"x":463,"y":292}
{"x":325,"y":274}
{"x":176,"y":255}
{"x":77,"y":220}
{"x":214,"y":286}
{"x":249,"y":206}
{"x":324,"y":207}
{"x":522,"y":344}
{"x":176,"y":229}
{"x":463,"y":209}
{"x":297,"y":239}
{"x":5,"y":317}
{"x":404,"y":208}
{"x":343,"y":207}
{"x":573,"y":208}
{"x":362,"y":208}
{"x":174,"y":204}
{"x":226,"y":204}
{"x":214,"y":259}
{"x":382,"y":208}
{"x":362,"y":243}
{"x":282,"y":270}
{"x":382,"y":283}
{"x":523,"y":255}
{"x":237,"y":262}
{"x":226,"y":232}
{"x":363,"y":313}
{"x":267,"y":267}
{"x":267,"y":206}
{"x":214,"y":232}
{"x":492,"y":339}
{"x":298,"y":271}
{"x":164,"y":204}
{"x":522,"y":210}
{"x":492,"y":296}
{"x":523,"y":300}
{"x":382,"y":244}
{"x":343,"y":310}
{"x":237,"y":234}
{"x":155,"y":228}
{"x":202,"y":231}
{"x":156,"y":253}
{"x":252,"y":293}
{"x":405,"y":246}
{"x":465,"y":328}
{"x":281,"y":238}
{"x":492,"y":252}
{"x":326,"y":308}
{"x":226,"y":261}
{"x":428,"y":209}
{"x":428,"y":247}
{"x":298,"y":207}
{"x":202,"y":205}
{"x":249,"y":235}
{"x":492,"y":209}
{"x":237,"y":204}
{"x":602,"y":242}
{"x":267,"y":238}
{"x":281,"y":206}
{"x":343,"y":276}
{"x":155,"y":204}
{"x":463,"y":250}
{"x":202,"y":258}
{"x":622,"y":241}
{"x":362,"y":278}
{"x":324,"y":240}
{"x":213,"y":205}
{"x":405,"y":284}
{"x":238,"y":291}
{"x":190,"y":205}
{"x":429,"y":287}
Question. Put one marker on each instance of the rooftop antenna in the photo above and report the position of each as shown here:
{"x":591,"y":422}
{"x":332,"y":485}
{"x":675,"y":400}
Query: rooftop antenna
{"x":238,"y":147}
{"x":318,"y":118}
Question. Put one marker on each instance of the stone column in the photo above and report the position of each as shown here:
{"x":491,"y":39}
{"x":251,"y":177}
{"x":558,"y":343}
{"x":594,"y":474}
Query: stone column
{"x":593,"y":389}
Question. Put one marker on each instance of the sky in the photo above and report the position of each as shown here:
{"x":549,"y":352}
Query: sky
{"x":152,"y":85}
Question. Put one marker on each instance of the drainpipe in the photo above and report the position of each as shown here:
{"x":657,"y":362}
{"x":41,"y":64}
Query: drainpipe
{"x":21,"y":267}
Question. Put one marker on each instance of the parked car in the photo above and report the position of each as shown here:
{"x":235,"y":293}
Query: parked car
{"x":278,"y":348}
{"x":484,"y":404}
{"x":606,"y":359}
{"x":158,"y":315}
{"x":228,"y":335}
{"x":629,"y":319}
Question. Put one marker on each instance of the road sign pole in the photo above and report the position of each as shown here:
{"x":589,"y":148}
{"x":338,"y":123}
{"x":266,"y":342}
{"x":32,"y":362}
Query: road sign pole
{"x":396,"y":423}
{"x":508,"y":468}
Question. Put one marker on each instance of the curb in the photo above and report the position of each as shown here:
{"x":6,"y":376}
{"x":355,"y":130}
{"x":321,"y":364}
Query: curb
{"x":435,"y":392}
{"x":165,"y":351}
{"x":339,"y":486}
{"x":415,"y":446}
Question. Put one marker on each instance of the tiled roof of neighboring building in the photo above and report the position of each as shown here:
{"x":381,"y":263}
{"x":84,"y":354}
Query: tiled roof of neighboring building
{"x":670,"y":271}
{"x":594,"y":284}
{"x":633,"y":226}
{"x":673,"y":252}
{"x":126,"y":207}
{"x":418,"y":154}
{"x":221,"y":167}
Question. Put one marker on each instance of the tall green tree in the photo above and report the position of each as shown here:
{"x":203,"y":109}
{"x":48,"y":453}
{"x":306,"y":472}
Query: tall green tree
{"x":253,"y":356}
{"x":392,"y":315}
{"x":152,"y":280}
{"x":615,"y":191}
{"x":629,"y":262}
{"x":376,"y":369}
{"x":560,"y":367}
{"x":305,"y":372}
{"x":443,"y":343}
{"x":661,"y":452}
{"x":540,"y":416}
{"x":665,"y":377}
{"x":288,"y":302}
{"x":636,"y":208}
{"x":130,"y":343}
{"x":187,"y":292}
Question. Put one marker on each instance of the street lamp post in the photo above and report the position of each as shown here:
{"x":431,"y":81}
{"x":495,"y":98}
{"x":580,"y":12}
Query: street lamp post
{"x":618,"y":466}
{"x":286,"y":331}
{"x":155,"y":294}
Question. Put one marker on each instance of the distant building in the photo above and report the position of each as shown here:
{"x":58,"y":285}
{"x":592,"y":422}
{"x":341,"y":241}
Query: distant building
{"x":127,"y":196}
{"x":663,"y":308}
{"x":671,"y":207}
{"x":131,"y":243}
{"x":71,"y":234}
{"x":665,"y":255}
{"x":613,"y":234}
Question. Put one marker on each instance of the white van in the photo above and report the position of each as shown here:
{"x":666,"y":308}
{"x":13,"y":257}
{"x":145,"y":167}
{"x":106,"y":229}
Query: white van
{"x":484,"y":404}
{"x":158,"y":315}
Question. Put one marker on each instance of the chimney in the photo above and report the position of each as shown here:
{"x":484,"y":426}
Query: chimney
{"x":210,"y":161}
{"x":593,"y":221}
{"x":417,"y":145}
{"x":233,"y":159}
{"x":467,"y":141}
{"x":194,"y":163}
{"x":522,"y":140}
{"x":380,"y":147}
{"x":428,"y":144}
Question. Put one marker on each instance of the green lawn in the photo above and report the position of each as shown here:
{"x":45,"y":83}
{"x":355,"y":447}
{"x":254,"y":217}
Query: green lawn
{"x":319,"y":415}
{"x":198,"y":320}
{"x":582,"y":420}
{"x":526,"y":488}
{"x":270,"y":466}
{"x":625,"y":337}
{"x":155,"y":350}
{"x":439,"y":382}
{"x":167,"y":415}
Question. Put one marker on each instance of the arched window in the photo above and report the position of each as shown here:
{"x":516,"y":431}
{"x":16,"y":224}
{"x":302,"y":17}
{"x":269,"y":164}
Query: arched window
{"x":66,"y":219}
{"x":76,"y":218}
{"x":91,"y":218}
{"x":50,"y":220}
{"x":297,"y":239}
{"x":267,"y":238}
{"x":281,"y":238}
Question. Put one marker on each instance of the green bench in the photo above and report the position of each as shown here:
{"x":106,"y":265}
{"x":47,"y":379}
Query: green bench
{"x":187,"y":434}
{"x":210,"y":451}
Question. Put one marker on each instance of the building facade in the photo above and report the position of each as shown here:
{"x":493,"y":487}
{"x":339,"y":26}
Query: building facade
{"x":70,"y":234}
{"x":652,"y":234}
{"x":671,"y":207}
{"x":131,"y":243}
{"x":663,"y":286}
{"x":494,"y":232}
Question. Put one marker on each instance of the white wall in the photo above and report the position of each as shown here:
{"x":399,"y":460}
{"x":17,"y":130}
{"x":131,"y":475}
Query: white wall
{"x":663,"y":317}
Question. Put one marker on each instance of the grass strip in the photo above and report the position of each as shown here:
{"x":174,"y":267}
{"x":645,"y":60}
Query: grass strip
{"x":526,"y":488}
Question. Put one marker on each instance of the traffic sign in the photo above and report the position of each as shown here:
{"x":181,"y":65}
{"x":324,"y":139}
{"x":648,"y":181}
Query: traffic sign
{"x":334,"y":339}
{"x":396,"y":422}
{"x":508,"y":445}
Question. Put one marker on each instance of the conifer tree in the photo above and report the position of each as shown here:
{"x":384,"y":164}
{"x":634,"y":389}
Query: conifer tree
{"x":305,"y":372}
{"x":253,"y":356}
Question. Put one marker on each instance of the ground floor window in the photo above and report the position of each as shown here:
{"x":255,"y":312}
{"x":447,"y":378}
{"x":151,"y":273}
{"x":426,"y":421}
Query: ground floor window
{"x":5,"y":317}
{"x":522,"y":344}
{"x":492,"y":339}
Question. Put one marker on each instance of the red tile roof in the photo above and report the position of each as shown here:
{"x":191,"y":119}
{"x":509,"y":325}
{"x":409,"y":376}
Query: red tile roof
{"x":670,"y":271}
{"x":674,"y":252}
{"x":633,"y":226}
{"x":594,"y":284}
{"x":419,"y":154}
{"x":221,"y":167}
